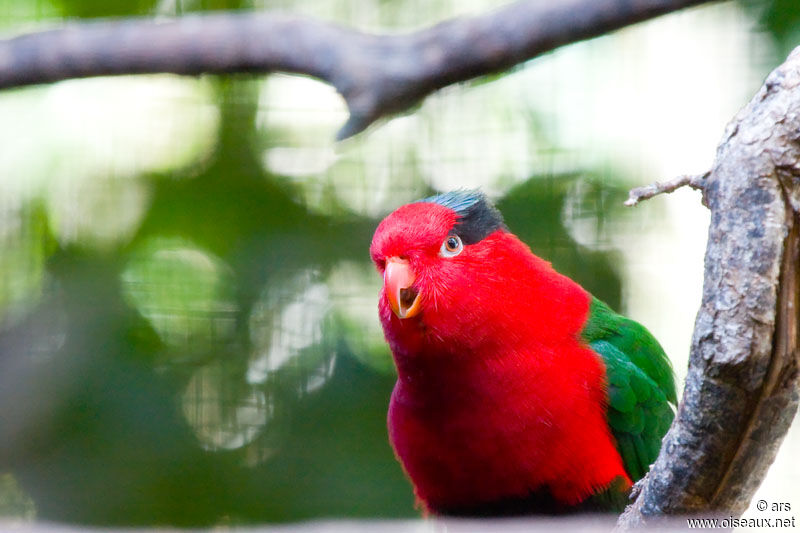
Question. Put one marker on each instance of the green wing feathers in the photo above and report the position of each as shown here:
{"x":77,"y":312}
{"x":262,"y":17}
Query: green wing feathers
{"x":641,"y":385}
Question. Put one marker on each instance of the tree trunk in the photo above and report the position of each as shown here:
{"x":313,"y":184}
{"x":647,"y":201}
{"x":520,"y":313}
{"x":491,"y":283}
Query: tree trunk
{"x":742,"y":387}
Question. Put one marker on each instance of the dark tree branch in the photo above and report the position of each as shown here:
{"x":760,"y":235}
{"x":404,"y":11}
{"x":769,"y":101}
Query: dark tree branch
{"x":639,"y":194}
{"x":742,"y":388}
{"x":377,"y":75}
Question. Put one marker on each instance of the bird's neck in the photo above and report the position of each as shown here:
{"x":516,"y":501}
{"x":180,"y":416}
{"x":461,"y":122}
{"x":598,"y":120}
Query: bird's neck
{"x":439,"y":378}
{"x":518,"y":303}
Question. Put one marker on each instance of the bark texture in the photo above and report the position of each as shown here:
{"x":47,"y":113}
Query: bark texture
{"x":742,"y":388}
{"x":377,"y":75}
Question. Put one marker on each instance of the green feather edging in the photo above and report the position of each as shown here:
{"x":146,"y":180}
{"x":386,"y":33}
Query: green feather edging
{"x":641,"y":385}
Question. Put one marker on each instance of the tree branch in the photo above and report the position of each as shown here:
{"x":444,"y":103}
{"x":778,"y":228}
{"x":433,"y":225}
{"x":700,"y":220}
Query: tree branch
{"x":742,"y":390}
{"x":646,"y":192}
{"x":377,"y":75}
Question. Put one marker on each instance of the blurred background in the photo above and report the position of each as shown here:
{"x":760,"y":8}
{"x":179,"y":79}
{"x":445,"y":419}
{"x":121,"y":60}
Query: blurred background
{"x":188,"y":329}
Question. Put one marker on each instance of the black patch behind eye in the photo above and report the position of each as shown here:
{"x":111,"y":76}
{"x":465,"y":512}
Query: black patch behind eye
{"x":477,"y":217}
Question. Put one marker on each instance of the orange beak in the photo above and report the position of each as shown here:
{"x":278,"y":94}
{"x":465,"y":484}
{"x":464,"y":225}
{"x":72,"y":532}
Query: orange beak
{"x":398,"y":281}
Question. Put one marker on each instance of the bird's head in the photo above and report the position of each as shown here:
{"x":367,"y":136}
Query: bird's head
{"x":437,"y":257}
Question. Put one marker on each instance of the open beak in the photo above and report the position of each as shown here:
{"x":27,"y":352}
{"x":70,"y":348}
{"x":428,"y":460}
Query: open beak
{"x":398,"y":281}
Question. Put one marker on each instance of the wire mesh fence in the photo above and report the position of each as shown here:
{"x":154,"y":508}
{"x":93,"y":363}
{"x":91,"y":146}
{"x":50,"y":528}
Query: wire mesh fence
{"x":188,"y":310}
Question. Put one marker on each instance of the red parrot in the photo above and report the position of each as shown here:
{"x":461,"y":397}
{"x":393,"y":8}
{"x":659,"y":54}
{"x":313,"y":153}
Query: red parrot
{"x":517,"y":392}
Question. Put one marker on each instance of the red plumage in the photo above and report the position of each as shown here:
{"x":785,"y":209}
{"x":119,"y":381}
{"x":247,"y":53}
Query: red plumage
{"x":496,"y":397}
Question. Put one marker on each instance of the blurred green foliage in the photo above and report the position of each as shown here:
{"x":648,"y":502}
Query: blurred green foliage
{"x":218,"y":365}
{"x":781,"y":18}
{"x":141,"y":403}
{"x":13,"y":502}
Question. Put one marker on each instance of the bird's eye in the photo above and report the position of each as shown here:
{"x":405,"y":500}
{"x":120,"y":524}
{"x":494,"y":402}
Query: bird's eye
{"x":451,"y":247}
